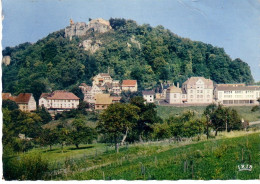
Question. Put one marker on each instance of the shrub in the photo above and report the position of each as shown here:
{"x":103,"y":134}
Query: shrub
{"x":25,"y":167}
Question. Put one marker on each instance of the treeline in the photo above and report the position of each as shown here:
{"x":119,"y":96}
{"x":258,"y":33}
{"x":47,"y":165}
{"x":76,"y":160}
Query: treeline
{"x":129,"y":51}
{"x":121,"y":122}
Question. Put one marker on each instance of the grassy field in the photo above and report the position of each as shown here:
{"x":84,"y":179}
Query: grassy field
{"x":164,"y":160}
{"x":245,"y":111}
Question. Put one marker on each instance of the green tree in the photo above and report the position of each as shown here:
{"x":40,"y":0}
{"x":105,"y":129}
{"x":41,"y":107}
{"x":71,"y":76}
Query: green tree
{"x":9,"y":104}
{"x":44,"y":114}
{"x":147,"y":117}
{"x":48,"y":137}
{"x":225,"y":118}
{"x":208,"y":113}
{"x":80,"y":133}
{"x":117,"y":120}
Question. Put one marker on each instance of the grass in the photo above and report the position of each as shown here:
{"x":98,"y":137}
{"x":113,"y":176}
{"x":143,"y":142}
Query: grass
{"x":164,"y":160}
{"x":167,"y":111}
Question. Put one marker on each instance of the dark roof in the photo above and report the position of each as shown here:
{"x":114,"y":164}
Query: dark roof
{"x":148,"y":92}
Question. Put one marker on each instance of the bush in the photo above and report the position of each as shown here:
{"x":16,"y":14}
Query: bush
{"x":25,"y":167}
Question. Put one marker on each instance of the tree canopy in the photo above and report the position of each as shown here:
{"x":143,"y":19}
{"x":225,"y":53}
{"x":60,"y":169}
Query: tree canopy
{"x":130,"y":51}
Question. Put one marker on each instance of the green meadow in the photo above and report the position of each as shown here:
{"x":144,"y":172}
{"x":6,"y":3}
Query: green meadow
{"x":216,"y":158}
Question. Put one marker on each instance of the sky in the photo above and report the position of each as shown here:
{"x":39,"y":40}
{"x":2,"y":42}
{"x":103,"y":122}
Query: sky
{"x":231,"y":24}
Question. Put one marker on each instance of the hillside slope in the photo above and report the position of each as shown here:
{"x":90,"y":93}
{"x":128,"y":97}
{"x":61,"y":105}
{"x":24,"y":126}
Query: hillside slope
{"x":127,"y":51}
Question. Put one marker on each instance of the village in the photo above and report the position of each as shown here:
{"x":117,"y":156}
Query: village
{"x":196,"y":91}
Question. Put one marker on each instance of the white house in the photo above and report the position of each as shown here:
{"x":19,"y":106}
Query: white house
{"x":101,"y":79}
{"x":25,"y":101}
{"x":148,"y":96}
{"x":174,"y":95}
{"x":129,"y":85}
{"x":198,"y":90}
{"x":59,"y":100}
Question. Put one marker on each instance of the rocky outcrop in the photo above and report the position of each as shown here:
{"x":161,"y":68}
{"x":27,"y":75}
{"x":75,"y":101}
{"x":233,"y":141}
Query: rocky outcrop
{"x":134,"y":41}
{"x":90,"y":45}
{"x":77,"y":29}
{"x":6,"y":60}
{"x":100,"y":25}
{"x":80,"y":28}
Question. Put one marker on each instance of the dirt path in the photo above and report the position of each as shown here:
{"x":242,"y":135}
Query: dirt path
{"x":254,"y":123}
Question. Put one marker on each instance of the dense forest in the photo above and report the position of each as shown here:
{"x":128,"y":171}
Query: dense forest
{"x":128,"y":51}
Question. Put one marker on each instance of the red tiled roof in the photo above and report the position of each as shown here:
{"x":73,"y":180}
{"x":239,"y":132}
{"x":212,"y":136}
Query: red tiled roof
{"x":62,"y":95}
{"x":23,"y":98}
{"x":45,"y":95}
{"x":6,"y":96}
{"x":129,"y":82}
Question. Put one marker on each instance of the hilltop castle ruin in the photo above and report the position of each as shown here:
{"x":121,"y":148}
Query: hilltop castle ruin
{"x":80,"y":28}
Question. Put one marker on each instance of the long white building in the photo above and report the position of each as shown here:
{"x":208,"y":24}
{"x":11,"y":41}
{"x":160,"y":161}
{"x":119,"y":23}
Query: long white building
{"x":59,"y":100}
{"x":237,"y":94}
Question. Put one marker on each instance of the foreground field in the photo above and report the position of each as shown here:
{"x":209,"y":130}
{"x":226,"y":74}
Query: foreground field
{"x":245,"y":111}
{"x":163,"y":160}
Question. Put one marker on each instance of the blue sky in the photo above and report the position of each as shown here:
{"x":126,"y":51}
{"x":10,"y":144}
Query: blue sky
{"x":231,"y":24}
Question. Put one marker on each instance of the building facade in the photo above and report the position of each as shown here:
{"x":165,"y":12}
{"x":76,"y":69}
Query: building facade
{"x":148,"y":96}
{"x":101,"y":79}
{"x":198,"y":90}
{"x":237,"y":94}
{"x":25,"y":101}
{"x":59,"y":100}
{"x":129,"y":85}
{"x":174,"y":95}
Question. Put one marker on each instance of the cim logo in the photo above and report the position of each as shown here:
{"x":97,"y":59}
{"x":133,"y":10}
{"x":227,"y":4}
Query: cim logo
{"x":245,"y":167}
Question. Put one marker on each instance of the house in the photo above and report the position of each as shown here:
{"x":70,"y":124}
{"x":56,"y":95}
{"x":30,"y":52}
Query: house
{"x":101,"y":79}
{"x":174,"y":95}
{"x":102,"y":101}
{"x":148,"y":96}
{"x":237,"y":94}
{"x":25,"y":101}
{"x":59,"y":100}
{"x":198,"y":90}
{"x":129,"y":85}
{"x":116,"y":87}
{"x":90,"y":92}
{"x":161,"y":91}
{"x":87,"y":91}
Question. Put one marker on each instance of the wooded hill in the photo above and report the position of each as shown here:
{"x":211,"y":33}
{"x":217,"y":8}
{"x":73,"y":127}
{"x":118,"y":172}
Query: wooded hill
{"x":128,"y":51}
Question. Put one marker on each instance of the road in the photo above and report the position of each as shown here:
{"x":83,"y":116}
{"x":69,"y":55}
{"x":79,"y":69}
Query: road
{"x":254,"y":123}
